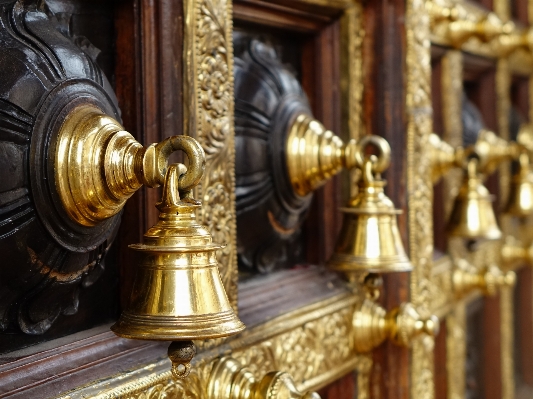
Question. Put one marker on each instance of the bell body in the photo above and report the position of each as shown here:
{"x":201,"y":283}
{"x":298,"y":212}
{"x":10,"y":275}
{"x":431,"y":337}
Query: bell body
{"x":521,"y":196}
{"x":370,"y":239}
{"x":177,"y":291}
{"x":472,"y":216}
{"x":177,"y":294}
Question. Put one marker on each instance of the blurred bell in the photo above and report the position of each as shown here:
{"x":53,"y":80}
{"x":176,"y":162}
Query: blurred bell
{"x":521,"y":194}
{"x":369,"y":239}
{"x":177,"y":291}
{"x":472,"y":215}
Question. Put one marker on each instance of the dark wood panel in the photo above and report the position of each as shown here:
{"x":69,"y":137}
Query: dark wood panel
{"x":441,"y":375}
{"x":475,"y":351}
{"x":492,"y":370}
{"x":523,"y":327}
{"x":439,"y":222}
{"x":383,"y":114}
{"x":321,"y":81}
{"x":343,"y":388}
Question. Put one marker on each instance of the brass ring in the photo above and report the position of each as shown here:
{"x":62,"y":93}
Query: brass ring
{"x":380,"y":162}
{"x":194,"y":152}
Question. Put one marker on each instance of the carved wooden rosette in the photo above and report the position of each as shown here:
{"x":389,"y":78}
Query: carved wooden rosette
{"x":269,"y":211}
{"x":46,"y":72}
{"x":208,"y":117}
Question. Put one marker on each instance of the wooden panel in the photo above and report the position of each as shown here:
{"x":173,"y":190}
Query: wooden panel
{"x":475,"y":347}
{"x":384,"y":115}
{"x":343,"y":388}
{"x":523,"y":327}
{"x":441,"y":380}
{"x":439,"y":221}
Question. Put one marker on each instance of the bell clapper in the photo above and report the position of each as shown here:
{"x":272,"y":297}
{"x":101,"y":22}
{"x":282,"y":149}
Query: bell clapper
{"x":180,"y":354}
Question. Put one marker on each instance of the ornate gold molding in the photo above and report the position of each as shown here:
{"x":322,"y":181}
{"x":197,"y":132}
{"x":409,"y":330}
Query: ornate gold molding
{"x":208,"y":117}
{"x":420,"y":187}
{"x":352,"y":34}
{"x":313,"y":344}
{"x":471,"y":28}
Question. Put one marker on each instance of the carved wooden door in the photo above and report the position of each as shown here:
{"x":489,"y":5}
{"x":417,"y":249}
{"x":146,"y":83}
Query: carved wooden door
{"x":237,"y":76}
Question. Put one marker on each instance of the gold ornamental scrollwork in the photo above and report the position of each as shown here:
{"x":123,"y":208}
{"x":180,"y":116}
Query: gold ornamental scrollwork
{"x":208,"y":116}
{"x":420,"y":187}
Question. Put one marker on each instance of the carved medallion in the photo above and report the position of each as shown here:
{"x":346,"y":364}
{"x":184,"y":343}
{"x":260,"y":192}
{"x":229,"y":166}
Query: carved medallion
{"x":46,"y":257}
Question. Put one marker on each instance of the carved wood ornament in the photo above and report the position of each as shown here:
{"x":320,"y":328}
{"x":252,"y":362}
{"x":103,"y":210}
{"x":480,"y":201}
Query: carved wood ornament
{"x":268,"y":98}
{"x":46,"y":257}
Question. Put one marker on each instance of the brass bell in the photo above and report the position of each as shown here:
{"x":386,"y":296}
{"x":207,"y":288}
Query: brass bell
{"x":369,"y":240}
{"x":472,"y":216}
{"x":521,"y":193}
{"x":177,"y":291}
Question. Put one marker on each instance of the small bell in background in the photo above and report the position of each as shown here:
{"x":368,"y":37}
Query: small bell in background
{"x":370,"y":240}
{"x":177,"y":293}
{"x":521,"y":194}
{"x":472,"y":216}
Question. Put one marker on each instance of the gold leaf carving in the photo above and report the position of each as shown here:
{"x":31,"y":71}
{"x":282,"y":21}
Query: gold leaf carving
{"x":419,"y":185}
{"x":208,"y":85}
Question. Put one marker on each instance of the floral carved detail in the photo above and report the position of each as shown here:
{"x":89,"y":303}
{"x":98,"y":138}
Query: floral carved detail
{"x":315,"y":348}
{"x":420,"y":188}
{"x":209,"y":85}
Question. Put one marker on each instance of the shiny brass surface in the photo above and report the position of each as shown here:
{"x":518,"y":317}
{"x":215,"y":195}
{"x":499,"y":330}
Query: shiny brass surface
{"x":369,"y":239}
{"x":491,"y":150}
{"x":177,"y":292}
{"x":514,"y":252}
{"x":315,"y":154}
{"x":230,"y":380}
{"x":521,"y":191}
{"x":460,"y":30}
{"x":443,"y":157}
{"x":98,"y":165}
{"x":467,"y":279}
{"x":372,"y":325}
{"x":472,"y":216}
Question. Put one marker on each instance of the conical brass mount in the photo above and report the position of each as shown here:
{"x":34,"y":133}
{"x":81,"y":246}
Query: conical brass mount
{"x":315,"y":154}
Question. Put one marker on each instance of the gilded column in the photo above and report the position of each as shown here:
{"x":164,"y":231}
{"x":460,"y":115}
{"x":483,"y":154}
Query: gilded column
{"x":452,"y":94}
{"x":420,"y":187}
{"x":208,"y":117}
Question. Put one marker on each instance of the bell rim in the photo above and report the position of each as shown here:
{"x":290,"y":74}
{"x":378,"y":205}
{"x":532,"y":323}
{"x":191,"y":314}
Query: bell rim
{"x":176,"y":328}
{"x":157,"y":249}
{"x":371,"y":211}
{"x":492,"y":235}
{"x":356,"y":263}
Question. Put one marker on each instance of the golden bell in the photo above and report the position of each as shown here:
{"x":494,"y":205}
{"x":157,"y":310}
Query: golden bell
{"x":177,"y":291}
{"x":369,"y":239}
{"x":521,"y":193}
{"x":472,"y":216}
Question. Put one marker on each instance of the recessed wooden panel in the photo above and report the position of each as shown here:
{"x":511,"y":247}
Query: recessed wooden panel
{"x":441,"y":379}
{"x":439,"y":222}
{"x":523,"y":327}
{"x":475,"y":345}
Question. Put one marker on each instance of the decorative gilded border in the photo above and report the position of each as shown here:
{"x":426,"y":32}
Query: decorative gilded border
{"x":313,"y":344}
{"x":419,"y":187}
{"x":208,"y":117}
